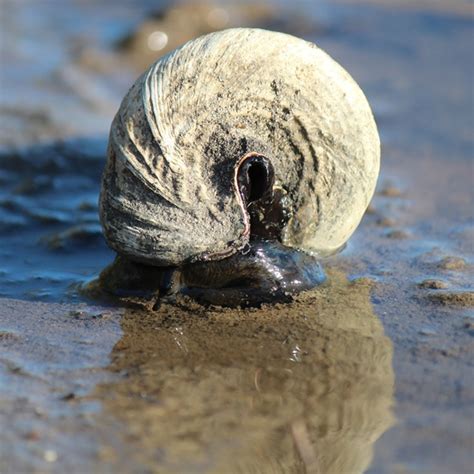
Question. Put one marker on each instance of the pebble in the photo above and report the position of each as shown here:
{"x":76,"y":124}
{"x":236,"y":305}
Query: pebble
{"x":68,"y":397}
{"x":426,"y":331}
{"x":31,"y":436}
{"x":390,"y":191}
{"x":433,"y":284}
{"x":7,"y":336}
{"x":386,"y":222}
{"x":464,"y":299}
{"x":469,"y":325}
{"x":80,"y":314}
{"x":397,"y":234}
{"x":452,"y":263}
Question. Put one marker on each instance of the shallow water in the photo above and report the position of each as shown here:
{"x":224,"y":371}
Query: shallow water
{"x":316,"y":385}
{"x":300,"y":388}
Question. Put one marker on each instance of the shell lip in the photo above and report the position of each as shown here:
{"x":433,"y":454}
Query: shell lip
{"x":253,"y":182}
{"x":239,"y":185}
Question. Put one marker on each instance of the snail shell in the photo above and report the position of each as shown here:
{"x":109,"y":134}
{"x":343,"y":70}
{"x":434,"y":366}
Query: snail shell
{"x":172,"y":189}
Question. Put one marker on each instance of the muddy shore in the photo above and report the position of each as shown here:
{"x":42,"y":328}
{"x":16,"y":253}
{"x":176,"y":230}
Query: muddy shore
{"x":371,"y":373}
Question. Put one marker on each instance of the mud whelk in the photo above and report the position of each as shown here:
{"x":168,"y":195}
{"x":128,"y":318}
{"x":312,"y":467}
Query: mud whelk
{"x":239,"y":136}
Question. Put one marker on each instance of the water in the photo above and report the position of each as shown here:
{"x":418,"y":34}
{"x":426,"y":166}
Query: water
{"x":316,"y":385}
{"x":48,"y":210}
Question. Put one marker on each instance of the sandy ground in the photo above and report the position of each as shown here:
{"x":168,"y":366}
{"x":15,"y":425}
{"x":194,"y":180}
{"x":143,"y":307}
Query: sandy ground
{"x":371,"y":373}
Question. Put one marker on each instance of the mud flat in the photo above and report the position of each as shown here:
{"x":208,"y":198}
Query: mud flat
{"x":379,"y":359}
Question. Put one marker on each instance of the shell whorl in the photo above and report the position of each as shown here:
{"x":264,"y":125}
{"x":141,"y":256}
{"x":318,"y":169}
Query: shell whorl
{"x":168,"y":192}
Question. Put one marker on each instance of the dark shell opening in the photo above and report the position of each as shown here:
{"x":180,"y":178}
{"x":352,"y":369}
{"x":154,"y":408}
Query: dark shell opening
{"x":256,"y":179}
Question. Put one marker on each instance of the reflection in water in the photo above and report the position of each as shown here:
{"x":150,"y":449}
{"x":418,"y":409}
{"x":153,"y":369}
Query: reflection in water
{"x":306,"y":387}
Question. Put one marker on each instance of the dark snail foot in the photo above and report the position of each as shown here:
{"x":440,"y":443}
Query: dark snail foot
{"x":134,"y":281}
{"x":264,"y":272}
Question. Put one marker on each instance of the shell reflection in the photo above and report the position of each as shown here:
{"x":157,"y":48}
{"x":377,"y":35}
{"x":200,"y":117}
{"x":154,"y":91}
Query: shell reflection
{"x":305,"y":387}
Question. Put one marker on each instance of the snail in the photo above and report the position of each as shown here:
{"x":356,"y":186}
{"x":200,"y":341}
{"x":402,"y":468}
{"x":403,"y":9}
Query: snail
{"x":234,"y":164}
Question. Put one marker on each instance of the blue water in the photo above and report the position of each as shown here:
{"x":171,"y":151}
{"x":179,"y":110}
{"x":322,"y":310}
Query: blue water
{"x":49,"y":229}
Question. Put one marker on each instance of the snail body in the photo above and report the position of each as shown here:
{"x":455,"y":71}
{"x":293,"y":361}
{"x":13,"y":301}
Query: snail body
{"x":238,"y":136}
{"x":265,"y":272}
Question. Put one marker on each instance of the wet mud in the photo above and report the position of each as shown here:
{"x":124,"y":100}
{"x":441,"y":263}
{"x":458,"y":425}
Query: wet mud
{"x":306,"y":387}
{"x":372,"y":372}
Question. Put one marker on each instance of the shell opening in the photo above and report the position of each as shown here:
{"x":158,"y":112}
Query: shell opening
{"x":262,"y":203}
{"x":255,"y":178}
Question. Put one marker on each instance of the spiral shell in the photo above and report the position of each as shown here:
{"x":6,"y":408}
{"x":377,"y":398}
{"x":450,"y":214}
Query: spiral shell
{"x":170,"y":191}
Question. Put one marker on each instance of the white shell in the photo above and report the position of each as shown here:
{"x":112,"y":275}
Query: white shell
{"x":169,"y":193}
